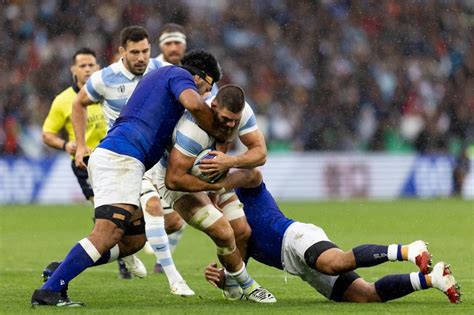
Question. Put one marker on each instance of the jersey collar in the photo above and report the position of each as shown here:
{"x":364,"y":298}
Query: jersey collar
{"x":124,"y":70}
{"x":75,"y":87}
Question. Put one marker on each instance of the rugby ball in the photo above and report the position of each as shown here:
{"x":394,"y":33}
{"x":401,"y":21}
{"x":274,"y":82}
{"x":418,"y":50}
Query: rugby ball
{"x":196,"y":171}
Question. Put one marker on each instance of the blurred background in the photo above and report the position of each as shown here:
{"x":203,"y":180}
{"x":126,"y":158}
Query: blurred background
{"x":337,"y":85}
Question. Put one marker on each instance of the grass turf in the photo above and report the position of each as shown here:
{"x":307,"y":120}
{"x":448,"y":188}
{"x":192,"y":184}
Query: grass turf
{"x":33,"y":235}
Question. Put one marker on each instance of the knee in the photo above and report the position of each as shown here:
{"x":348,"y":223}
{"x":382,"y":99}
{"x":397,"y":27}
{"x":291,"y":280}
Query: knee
{"x":222,"y":233}
{"x":243,"y":233}
{"x":153,"y":207}
{"x":361,"y":291}
{"x":334,"y":263}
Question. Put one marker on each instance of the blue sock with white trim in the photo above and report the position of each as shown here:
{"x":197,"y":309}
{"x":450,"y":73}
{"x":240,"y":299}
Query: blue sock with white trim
{"x":158,"y":239}
{"x":80,"y":257}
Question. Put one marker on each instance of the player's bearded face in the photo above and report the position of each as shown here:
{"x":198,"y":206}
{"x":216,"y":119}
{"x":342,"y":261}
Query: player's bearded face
{"x":136,"y":56}
{"x":173,"y":52}
{"x":226,"y":121}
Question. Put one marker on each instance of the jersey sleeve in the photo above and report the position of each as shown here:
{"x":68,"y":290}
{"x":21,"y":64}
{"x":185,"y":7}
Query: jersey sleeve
{"x":95,"y":87}
{"x":190,"y":138}
{"x":248,"y":123}
{"x":181,"y":80}
{"x":56,"y":118}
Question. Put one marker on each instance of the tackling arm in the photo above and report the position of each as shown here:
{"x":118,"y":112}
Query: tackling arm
{"x":194,"y":103}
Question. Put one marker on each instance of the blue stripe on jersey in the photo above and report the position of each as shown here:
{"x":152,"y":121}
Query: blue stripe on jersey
{"x":268,"y":225}
{"x":187,"y":143}
{"x":156,"y":63}
{"x":164,"y":162}
{"x":189,"y":116}
{"x":92,"y":91}
{"x":117,"y":104}
{"x":111,"y":78}
{"x":250,"y":123}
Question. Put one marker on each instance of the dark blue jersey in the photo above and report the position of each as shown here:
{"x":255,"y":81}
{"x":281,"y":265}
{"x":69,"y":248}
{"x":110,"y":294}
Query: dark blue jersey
{"x":268,"y":225}
{"x":145,"y":125}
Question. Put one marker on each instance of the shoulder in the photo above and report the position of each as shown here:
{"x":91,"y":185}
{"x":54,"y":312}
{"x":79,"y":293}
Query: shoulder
{"x":156,"y":63}
{"x":248,"y":123}
{"x":190,"y":138}
{"x":64,"y":98}
{"x":111,"y":75}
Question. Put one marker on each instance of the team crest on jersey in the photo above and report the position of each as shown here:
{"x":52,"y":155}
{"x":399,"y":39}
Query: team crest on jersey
{"x":121,"y":89}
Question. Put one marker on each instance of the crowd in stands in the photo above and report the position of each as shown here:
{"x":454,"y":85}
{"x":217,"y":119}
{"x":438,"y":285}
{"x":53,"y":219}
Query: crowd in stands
{"x":393,"y":76}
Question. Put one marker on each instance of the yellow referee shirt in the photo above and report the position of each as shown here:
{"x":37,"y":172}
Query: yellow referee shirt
{"x":59,"y":117}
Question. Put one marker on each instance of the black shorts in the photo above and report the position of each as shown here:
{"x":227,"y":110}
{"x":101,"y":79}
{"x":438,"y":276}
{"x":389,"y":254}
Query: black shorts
{"x":83,"y":178}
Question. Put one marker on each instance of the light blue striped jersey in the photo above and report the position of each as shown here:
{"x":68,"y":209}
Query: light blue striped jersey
{"x":190,"y":139}
{"x":113,"y":85}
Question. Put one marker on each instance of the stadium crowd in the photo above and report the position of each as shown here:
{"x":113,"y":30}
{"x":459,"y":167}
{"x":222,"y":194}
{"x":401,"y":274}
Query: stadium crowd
{"x":321,"y":75}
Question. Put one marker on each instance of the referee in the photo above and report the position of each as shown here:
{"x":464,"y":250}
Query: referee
{"x":59,"y":117}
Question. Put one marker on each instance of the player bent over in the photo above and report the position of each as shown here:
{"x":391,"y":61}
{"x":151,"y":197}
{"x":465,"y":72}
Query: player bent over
{"x":306,"y":251}
{"x":187,"y":196}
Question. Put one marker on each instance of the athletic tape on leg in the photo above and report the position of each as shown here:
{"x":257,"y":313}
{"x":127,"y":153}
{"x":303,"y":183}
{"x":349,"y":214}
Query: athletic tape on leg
{"x":233,"y":210}
{"x":223,"y":251}
{"x":205,"y":217}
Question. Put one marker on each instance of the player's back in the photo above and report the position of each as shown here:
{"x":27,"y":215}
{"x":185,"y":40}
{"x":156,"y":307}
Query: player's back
{"x":145,"y":125}
{"x":268,"y":225}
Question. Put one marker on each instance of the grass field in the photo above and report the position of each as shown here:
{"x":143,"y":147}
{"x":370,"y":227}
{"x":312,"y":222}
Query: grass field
{"x":32,"y":236}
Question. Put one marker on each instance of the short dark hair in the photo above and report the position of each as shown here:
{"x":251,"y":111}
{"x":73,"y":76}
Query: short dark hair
{"x":132,"y":33}
{"x":204,"y":61}
{"x":232,"y":97}
{"x":172,"y":27}
{"x":83,"y":51}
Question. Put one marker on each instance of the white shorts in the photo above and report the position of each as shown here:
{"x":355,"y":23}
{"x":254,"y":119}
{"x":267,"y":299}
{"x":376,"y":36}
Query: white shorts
{"x":168,"y":196}
{"x":297,"y":239}
{"x":115,"y":178}
{"x":148,"y":191}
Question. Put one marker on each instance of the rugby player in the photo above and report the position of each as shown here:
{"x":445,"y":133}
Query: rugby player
{"x":172,"y":43}
{"x":133,"y":145}
{"x":113,"y":86}
{"x":184,"y":192}
{"x":305,"y":250}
